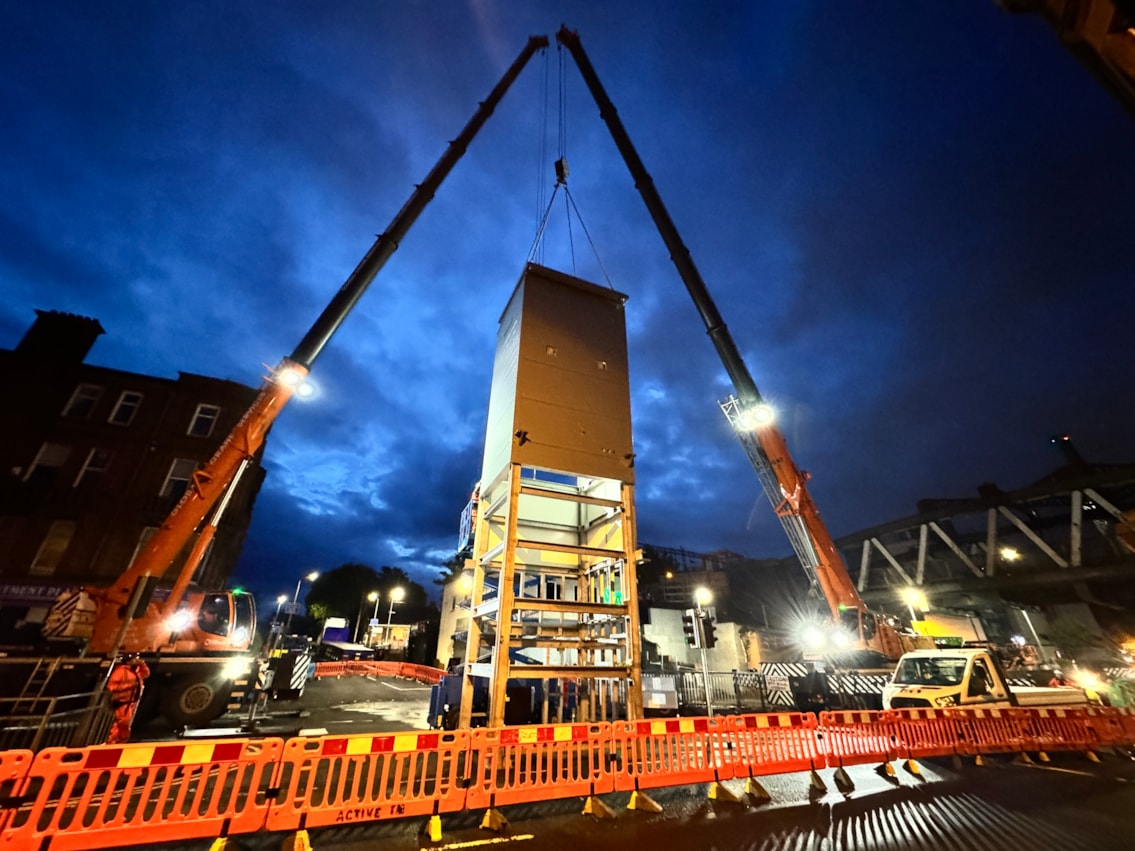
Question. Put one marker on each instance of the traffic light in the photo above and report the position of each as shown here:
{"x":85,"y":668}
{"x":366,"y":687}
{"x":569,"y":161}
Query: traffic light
{"x":710,"y":636}
{"x":690,"y":628}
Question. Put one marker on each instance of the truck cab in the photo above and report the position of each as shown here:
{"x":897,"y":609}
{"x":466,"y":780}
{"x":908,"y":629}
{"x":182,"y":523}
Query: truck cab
{"x":965,"y":678}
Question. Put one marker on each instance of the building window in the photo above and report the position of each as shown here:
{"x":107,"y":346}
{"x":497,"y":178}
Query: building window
{"x":82,"y":401}
{"x":180,"y":472}
{"x":53,"y":547}
{"x":128,"y":404}
{"x":48,"y":461}
{"x":98,"y":461}
{"x":204,"y":419}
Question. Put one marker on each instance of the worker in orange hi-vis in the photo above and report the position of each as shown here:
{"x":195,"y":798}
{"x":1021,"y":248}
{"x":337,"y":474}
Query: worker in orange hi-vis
{"x":125,"y":686}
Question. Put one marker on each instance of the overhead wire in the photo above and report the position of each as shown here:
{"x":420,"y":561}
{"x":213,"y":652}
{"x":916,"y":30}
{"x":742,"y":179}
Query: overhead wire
{"x":536,"y":251}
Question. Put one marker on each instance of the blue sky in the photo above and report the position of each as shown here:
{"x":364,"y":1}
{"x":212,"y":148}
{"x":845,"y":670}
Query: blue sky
{"x":915,"y":219}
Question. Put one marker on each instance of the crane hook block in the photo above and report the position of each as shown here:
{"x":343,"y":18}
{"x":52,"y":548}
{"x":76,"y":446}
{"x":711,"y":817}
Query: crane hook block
{"x":562,"y":170}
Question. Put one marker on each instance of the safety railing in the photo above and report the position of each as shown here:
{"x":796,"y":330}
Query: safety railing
{"x":71,"y":720}
{"x":140,"y":794}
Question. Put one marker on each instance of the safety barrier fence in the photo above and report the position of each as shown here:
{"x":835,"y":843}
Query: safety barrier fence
{"x":422,"y":673}
{"x":139,"y":794}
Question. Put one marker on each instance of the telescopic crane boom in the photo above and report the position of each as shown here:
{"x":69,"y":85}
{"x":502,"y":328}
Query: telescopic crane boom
{"x":770,"y":456}
{"x":210,"y":482}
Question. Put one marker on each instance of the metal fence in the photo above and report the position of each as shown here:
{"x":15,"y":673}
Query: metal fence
{"x":736,"y":691}
{"x":45,"y":722}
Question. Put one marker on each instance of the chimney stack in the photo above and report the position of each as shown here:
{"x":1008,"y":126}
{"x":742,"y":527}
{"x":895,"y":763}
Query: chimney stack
{"x":60,"y":337}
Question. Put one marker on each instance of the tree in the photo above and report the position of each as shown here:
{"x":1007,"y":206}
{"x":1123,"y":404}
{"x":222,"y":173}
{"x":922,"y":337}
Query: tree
{"x":345,"y":591}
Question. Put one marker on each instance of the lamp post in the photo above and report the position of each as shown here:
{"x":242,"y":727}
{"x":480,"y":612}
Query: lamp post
{"x":914,"y":599}
{"x":703,"y":596}
{"x":371,"y":597}
{"x":311,"y":577}
{"x":396,"y":596}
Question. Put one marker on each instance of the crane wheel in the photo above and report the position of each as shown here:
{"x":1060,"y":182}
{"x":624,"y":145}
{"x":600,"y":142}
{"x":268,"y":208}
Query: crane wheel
{"x":193,"y":702}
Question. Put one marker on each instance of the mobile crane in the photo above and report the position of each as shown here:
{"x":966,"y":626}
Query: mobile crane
{"x":128,"y":616}
{"x":765,"y":445}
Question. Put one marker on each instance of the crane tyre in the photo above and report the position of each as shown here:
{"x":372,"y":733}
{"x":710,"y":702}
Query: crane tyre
{"x":192,"y":701}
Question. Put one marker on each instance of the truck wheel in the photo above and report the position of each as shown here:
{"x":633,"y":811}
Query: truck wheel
{"x":191,"y":701}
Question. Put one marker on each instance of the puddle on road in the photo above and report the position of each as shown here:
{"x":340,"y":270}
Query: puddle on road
{"x":410,"y":714}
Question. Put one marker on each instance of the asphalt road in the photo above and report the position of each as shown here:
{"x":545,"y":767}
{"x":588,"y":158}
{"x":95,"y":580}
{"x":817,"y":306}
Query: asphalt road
{"x":345,"y":705}
{"x":1069,"y":804}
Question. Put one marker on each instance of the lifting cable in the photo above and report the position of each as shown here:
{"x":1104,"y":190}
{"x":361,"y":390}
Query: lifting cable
{"x":536,"y":252}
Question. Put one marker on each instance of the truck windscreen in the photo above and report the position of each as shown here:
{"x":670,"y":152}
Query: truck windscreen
{"x":927,"y":671}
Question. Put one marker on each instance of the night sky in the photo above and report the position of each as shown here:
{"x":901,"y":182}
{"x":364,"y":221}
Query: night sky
{"x":916,"y":219}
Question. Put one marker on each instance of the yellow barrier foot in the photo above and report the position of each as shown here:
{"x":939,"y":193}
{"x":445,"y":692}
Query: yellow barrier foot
{"x":886,"y":769}
{"x":719,"y":792}
{"x":298,"y":841}
{"x":223,"y":843}
{"x":643,"y":802}
{"x":913,"y":767}
{"x":433,"y":829}
{"x":1092,"y":756}
{"x":843,"y":781}
{"x":756,"y":791}
{"x":815,"y":784}
{"x":494,"y":821}
{"x":977,"y":760}
{"x":595,"y":807}
{"x":1042,"y":756}
{"x":1023,"y":759}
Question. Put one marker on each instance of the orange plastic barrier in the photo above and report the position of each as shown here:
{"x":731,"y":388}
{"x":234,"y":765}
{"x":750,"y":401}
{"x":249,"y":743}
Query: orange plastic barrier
{"x":856,"y":737}
{"x":330,"y":669}
{"x":422,"y":673}
{"x":774,"y":743}
{"x":1059,"y":729}
{"x":1111,"y":725}
{"x":990,"y":730}
{"x":14,"y":767}
{"x":112,"y":795}
{"x":520,"y":764}
{"x":650,"y":754}
{"x":920,"y":733}
{"x":337,"y":780}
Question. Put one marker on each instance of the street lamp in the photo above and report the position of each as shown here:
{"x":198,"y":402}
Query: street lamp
{"x":914,"y":599}
{"x":703,"y":597}
{"x":396,"y":596}
{"x":311,"y":577}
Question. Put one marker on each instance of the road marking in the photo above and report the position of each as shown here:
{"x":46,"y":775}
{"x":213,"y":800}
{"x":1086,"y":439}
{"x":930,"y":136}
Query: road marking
{"x":405,"y":688}
{"x":476,"y":843}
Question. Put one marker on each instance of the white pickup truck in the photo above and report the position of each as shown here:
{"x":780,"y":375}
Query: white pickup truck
{"x":965,"y":678}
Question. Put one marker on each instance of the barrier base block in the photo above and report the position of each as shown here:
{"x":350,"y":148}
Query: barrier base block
{"x":1092,"y":756}
{"x":1023,"y":759}
{"x":756,"y":791}
{"x":816,"y":783}
{"x":977,"y":760}
{"x":843,"y":781}
{"x":298,"y":841}
{"x":1042,"y":757}
{"x":886,"y":770}
{"x":913,"y":767}
{"x":595,"y":807}
{"x":494,"y":821}
{"x":719,"y":792}
{"x":433,"y":829}
{"x":643,"y":803}
{"x":223,"y":843}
